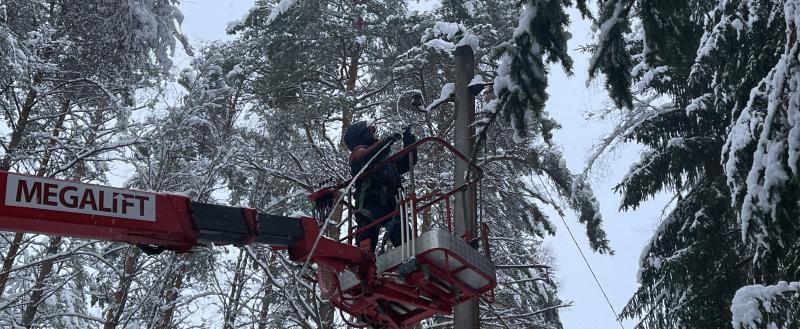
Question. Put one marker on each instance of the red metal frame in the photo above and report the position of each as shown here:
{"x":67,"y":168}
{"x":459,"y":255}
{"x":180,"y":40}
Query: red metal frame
{"x":430,"y":295}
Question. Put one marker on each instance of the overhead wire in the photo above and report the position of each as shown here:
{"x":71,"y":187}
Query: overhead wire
{"x":585,"y":261}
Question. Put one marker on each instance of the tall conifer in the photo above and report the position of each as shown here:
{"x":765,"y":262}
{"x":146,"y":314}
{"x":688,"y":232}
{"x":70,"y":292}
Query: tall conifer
{"x":723,"y":140}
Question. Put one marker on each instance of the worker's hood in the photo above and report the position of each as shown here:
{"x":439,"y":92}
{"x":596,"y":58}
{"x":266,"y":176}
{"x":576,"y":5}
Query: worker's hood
{"x":358,"y":134}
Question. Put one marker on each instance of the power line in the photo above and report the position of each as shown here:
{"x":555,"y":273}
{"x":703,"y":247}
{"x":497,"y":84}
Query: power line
{"x":585,"y":261}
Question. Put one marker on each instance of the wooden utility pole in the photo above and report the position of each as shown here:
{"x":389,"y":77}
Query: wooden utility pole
{"x":466,"y":206}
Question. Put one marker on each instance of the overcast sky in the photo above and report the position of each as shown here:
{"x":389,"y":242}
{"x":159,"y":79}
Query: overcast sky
{"x":628,"y":232}
{"x":569,"y":99}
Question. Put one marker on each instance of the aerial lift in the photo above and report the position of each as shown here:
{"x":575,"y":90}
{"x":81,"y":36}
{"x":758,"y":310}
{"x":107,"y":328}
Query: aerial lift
{"x":426,"y":276}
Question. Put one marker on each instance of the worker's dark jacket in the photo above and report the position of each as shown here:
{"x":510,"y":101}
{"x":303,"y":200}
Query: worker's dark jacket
{"x":375,"y":192}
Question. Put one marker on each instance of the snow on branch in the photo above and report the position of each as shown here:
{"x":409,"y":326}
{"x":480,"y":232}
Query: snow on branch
{"x":759,"y":306}
{"x":768,"y":130}
{"x":611,"y":55}
{"x":520,"y":80}
{"x":279,"y":9}
{"x":448,"y":92}
{"x":446,"y":36}
{"x":579,"y":195}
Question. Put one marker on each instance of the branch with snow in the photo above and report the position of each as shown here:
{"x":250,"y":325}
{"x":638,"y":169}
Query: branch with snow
{"x":447,"y":94}
{"x":446,"y":37}
{"x":774,"y":307}
{"x":279,"y":9}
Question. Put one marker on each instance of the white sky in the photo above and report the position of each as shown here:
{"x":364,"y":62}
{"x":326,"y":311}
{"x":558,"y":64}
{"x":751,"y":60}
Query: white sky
{"x":569,"y":98}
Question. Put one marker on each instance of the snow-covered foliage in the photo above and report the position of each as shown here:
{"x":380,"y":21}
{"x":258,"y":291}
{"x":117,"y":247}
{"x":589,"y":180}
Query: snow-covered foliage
{"x":312,"y":95}
{"x":259,"y":124}
{"x":448,"y":91}
{"x":533,"y":169}
{"x":72,"y":75}
{"x":762,"y":149}
{"x":723,"y":76}
{"x":759,"y":306}
{"x":520,"y":80}
{"x":192,"y":149}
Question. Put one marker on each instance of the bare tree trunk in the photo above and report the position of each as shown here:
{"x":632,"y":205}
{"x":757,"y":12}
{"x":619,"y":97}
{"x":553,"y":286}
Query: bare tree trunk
{"x":19,"y":131}
{"x":172,"y":296}
{"x":115,"y":310}
{"x":13,"y":248}
{"x":235,"y":295}
{"x":38,"y":288}
{"x":263,"y":316}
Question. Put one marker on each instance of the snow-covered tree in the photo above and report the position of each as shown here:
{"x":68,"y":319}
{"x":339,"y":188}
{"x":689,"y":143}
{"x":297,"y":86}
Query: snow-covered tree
{"x":69,"y":72}
{"x":260,"y":126}
{"x":321,"y":65}
{"x":191,"y":149}
{"x":316,"y":67}
{"x":514,"y":44}
{"x":723,"y":79}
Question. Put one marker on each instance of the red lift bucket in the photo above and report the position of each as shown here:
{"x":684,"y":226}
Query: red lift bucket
{"x":444,"y":272}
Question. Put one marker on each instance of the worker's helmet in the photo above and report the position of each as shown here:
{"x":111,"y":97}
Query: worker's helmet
{"x":360,"y":133}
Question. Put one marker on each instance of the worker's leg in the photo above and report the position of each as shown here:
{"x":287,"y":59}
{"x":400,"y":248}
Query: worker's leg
{"x":395,"y":235}
{"x":371,"y":233}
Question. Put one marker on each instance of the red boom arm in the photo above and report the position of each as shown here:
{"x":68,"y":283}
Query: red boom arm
{"x":73,"y":209}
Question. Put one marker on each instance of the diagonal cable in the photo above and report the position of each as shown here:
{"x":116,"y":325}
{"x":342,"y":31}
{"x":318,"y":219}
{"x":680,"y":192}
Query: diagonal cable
{"x":585,"y":261}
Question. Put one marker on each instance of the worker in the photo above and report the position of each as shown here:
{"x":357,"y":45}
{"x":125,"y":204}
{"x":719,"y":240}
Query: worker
{"x":376,"y":192}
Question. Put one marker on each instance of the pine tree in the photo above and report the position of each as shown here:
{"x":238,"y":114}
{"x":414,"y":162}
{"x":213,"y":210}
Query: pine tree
{"x":305,"y":88}
{"x":525,"y":169}
{"x":722,"y":139}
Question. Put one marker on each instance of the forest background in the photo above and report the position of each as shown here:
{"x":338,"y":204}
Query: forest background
{"x":571,"y":99}
{"x":250,"y":108}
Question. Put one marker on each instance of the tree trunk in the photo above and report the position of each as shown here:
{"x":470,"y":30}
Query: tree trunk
{"x":45,"y":162}
{"x":13,"y":248}
{"x":326,"y":309}
{"x":172,"y":296}
{"x":38,"y":288}
{"x":263,"y":315}
{"x":47,"y":265}
{"x":115,"y":310}
{"x":8,"y":262}
{"x":235,"y":295}
{"x":352,"y":78}
{"x":466,"y":314}
{"x":19,"y":131}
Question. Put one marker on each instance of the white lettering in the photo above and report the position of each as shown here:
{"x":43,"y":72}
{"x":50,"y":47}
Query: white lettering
{"x":50,"y":194}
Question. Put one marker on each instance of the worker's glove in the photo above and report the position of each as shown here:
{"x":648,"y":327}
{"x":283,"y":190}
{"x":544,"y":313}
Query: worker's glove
{"x":408,"y":137}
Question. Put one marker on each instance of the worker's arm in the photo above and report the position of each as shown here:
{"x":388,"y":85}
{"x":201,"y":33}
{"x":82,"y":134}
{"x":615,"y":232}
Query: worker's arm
{"x":361,"y":155}
{"x":408,"y":160}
